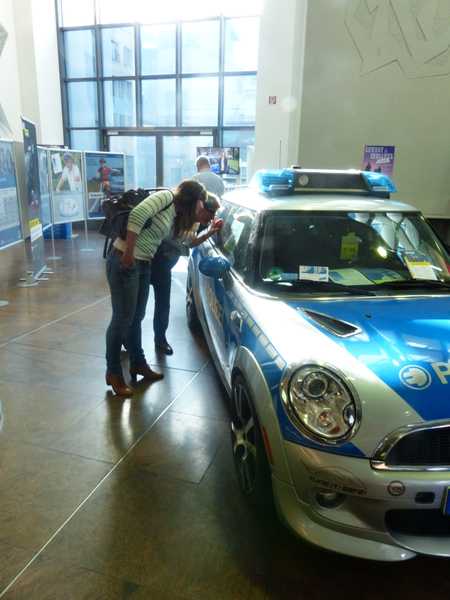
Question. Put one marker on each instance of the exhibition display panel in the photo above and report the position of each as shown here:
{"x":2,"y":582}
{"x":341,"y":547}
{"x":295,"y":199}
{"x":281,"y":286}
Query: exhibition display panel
{"x":10,"y":226}
{"x":44,"y":187}
{"x":67,"y":187}
{"x":105,"y":174}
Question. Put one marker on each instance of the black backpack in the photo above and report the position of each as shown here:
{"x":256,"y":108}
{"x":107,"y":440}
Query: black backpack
{"x":117,"y":209}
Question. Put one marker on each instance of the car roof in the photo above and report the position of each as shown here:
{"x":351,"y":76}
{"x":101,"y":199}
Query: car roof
{"x":252,"y":198}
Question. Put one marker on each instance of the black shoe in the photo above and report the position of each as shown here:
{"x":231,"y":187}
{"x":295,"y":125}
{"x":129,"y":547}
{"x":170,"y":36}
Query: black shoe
{"x":164,"y":348}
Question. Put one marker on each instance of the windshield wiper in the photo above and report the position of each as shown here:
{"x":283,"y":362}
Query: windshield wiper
{"x":326,"y":286}
{"x":415,"y":283}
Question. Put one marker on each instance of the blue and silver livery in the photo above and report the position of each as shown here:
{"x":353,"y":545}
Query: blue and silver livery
{"x":326,"y":307}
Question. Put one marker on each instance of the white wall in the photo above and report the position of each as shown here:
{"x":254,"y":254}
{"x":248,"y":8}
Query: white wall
{"x":10,"y":100}
{"x":47,"y":72}
{"x":378,"y":73}
{"x":280,"y":64}
{"x":29,"y":75}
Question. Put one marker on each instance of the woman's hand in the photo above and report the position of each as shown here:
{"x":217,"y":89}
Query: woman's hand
{"x":216,"y":226}
{"x":127,"y":260}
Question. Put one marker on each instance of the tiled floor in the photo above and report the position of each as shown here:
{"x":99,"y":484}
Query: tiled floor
{"x":102,"y":498}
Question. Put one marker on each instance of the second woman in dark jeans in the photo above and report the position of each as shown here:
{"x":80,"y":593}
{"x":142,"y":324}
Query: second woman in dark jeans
{"x":128,"y":270}
{"x":166,"y":258}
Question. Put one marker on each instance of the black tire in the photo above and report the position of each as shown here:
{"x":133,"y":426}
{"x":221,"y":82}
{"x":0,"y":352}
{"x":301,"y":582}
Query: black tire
{"x":191,"y":310}
{"x":249,"y":454}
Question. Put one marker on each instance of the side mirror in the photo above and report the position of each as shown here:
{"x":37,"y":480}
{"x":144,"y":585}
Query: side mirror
{"x":214,"y":266}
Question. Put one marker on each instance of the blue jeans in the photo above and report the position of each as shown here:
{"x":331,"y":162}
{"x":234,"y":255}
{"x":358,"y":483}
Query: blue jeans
{"x":161,"y":280}
{"x":129,"y":295}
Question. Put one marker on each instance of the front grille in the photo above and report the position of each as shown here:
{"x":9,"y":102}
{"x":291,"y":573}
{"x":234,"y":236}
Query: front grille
{"x":427,"y":448}
{"x":418,"y":523}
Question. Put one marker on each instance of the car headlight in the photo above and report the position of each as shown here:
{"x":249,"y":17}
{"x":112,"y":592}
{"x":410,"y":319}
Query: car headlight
{"x":321,"y":404}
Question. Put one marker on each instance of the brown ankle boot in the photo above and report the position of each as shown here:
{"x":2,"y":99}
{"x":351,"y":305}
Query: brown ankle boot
{"x":118,"y":384}
{"x":147,"y":373}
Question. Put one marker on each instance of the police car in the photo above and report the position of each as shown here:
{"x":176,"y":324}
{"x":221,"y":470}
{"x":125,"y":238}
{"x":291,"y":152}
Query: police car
{"x":326,"y":307}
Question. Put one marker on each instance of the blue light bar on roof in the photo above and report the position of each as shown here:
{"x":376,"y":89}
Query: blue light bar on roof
{"x":296,"y":180}
{"x":275,"y":180}
{"x":378,"y":182}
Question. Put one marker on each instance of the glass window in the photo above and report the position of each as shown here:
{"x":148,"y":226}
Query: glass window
{"x":116,"y":11}
{"x":233,"y":238}
{"x":143,"y":148}
{"x":239,"y":105}
{"x":120,"y":103}
{"x":200,"y":101}
{"x":159,"y":102}
{"x":77,"y":13}
{"x":84,"y":139}
{"x":200,"y":47}
{"x":179,"y":156}
{"x":358,"y":249}
{"x":82,"y":99}
{"x":79,"y":48}
{"x":242,"y":139}
{"x":118,"y":51}
{"x":158,"y":50}
{"x":241,"y":44}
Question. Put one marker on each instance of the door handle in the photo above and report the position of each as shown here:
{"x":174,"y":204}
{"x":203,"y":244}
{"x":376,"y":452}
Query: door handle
{"x":236,"y":318}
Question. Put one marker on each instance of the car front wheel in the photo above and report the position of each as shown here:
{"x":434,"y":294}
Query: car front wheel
{"x":191,"y":310}
{"x":249,"y":454}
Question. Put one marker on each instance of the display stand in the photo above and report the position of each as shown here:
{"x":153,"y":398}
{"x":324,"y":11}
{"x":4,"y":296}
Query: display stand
{"x":53,"y":257}
{"x":30,"y":281}
{"x":86,"y":238}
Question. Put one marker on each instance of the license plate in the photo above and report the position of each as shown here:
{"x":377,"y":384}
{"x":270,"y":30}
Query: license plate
{"x":446,"y":507}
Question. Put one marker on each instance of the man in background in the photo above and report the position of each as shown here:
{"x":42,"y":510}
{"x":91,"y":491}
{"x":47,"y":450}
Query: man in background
{"x":212,"y":182}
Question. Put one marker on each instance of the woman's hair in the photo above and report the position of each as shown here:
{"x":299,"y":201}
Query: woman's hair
{"x":186,"y":196}
{"x":212,"y":203}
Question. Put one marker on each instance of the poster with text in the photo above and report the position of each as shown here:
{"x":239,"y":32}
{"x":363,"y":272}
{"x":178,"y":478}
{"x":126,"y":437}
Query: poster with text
{"x":379,"y":159}
{"x":105,"y":175}
{"x":44,"y":187}
{"x":67,"y":186}
{"x":10,"y":229}
{"x":33,"y":197}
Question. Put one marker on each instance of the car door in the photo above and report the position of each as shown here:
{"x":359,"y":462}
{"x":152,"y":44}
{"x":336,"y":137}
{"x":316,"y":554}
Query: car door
{"x":221,"y":296}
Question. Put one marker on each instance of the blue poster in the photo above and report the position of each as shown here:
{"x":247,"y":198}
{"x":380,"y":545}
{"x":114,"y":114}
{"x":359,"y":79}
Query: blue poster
{"x":10,"y":229}
{"x":105,"y":175}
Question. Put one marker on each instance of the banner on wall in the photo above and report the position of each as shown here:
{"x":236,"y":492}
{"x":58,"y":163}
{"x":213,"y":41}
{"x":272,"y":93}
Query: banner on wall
{"x":33,"y":197}
{"x":105,"y":174}
{"x":379,"y":159}
{"x":44,"y":187}
{"x":67,"y":186}
{"x":10,"y":229}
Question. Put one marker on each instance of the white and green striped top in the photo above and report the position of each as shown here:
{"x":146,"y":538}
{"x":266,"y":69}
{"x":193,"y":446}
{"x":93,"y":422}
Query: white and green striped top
{"x":150,"y":238}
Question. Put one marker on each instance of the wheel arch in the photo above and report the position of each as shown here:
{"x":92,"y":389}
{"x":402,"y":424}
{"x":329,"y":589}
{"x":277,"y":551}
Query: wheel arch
{"x":246,"y":365}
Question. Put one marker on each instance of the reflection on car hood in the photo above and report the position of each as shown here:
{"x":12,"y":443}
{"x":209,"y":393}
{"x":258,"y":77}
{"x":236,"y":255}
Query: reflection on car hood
{"x":404,"y":342}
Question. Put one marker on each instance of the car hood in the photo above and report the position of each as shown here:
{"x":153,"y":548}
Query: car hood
{"x":405,"y":342}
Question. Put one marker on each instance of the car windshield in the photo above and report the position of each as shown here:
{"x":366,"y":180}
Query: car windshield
{"x":350,"y":250}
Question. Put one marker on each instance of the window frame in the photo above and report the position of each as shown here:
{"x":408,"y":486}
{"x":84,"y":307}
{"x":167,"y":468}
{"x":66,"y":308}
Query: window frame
{"x":99,"y":79}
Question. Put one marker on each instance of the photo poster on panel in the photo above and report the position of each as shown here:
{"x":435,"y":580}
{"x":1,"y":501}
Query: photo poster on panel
{"x":130,"y":179}
{"x":44,"y":187}
{"x":33,"y":197}
{"x":67,"y":186}
{"x":10,"y":228}
{"x":379,"y":159}
{"x":105,"y":174}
